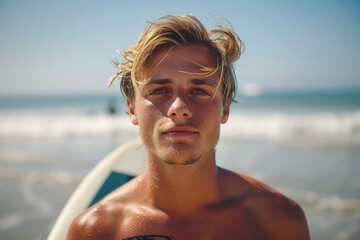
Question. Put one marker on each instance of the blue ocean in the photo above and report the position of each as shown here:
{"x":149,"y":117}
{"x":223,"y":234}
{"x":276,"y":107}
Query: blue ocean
{"x":304,"y":144}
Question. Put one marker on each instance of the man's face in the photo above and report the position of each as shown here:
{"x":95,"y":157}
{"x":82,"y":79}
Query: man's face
{"x":179,"y":112}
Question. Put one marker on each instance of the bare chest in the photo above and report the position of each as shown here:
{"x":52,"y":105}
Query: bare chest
{"x":210,"y":226}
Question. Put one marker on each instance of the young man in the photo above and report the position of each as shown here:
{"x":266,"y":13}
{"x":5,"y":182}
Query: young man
{"x":179,"y":84}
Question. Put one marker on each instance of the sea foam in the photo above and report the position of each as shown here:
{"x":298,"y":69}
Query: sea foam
{"x":315,"y":128}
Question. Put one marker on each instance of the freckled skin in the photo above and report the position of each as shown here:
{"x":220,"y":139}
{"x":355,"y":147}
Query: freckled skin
{"x":251,"y":210}
{"x":183,"y":194}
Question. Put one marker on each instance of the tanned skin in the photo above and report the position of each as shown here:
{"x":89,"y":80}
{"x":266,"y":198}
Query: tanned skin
{"x":183,"y":194}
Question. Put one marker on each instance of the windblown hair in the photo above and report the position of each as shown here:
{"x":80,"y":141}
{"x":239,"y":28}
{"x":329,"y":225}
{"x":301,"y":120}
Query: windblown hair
{"x":183,"y":30}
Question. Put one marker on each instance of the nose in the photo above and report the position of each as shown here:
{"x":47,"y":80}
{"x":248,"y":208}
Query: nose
{"x":179,"y":109}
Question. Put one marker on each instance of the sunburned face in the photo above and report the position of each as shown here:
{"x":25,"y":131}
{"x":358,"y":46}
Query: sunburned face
{"x":179,"y":112}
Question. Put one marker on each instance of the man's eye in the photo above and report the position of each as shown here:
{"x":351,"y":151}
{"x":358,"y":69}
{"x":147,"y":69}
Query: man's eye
{"x":199,"y":92}
{"x":158,"y":91}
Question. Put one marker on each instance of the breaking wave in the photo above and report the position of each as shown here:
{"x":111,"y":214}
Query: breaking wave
{"x":317,"y":128}
{"x":52,"y":177}
{"x":320,"y":128}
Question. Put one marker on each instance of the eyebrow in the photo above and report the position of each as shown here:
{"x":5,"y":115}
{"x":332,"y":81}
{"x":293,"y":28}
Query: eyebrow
{"x":194,"y":81}
{"x":159,"y":81}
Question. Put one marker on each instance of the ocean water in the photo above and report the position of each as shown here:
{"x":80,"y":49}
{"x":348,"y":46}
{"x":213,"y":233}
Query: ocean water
{"x":304,"y":144}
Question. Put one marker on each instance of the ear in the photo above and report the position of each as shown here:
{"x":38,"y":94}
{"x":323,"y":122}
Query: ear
{"x":225,"y":114}
{"x":132,"y":112}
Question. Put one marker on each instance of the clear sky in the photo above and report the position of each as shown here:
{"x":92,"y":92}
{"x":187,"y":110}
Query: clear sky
{"x":65,"y":47}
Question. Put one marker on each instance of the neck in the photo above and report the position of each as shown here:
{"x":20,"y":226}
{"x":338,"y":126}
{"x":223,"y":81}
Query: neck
{"x":182,"y":189}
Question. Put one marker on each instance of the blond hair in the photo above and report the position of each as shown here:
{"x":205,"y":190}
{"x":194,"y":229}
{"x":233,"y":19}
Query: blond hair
{"x":181,"y":30}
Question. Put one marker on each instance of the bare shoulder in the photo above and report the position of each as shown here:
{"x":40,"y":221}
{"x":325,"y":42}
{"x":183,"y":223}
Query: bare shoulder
{"x":94,"y":223}
{"x":102,"y":219}
{"x":280,"y":216}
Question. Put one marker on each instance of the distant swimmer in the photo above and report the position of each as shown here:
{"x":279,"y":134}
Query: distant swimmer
{"x":179,"y":84}
{"x":112,"y":107}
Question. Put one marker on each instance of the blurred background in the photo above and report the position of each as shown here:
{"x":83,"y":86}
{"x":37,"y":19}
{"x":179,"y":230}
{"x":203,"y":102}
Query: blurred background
{"x":296,"y":125}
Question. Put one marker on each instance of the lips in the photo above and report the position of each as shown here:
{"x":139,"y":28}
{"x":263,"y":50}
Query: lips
{"x":180,"y":131}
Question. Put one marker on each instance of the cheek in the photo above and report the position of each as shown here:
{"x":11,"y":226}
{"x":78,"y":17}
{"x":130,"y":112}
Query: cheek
{"x":212,"y":109}
{"x":147,"y":113}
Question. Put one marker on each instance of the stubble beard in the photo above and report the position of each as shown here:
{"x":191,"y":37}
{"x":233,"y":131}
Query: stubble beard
{"x":171,"y":152}
{"x":174,"y":155}
{"x":189,"y":161}
{"x":171,"y":155}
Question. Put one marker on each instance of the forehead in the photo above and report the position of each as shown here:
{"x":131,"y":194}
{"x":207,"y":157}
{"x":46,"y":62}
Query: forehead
{"x":185,"y":59}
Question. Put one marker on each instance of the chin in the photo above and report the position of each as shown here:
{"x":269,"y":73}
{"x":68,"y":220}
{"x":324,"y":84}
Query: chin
{"x":179,"y":155}
{"x":189,"y":161}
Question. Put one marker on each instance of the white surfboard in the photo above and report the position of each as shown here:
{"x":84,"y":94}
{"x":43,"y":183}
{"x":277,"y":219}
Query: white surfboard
{"x":120,"y":166}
